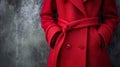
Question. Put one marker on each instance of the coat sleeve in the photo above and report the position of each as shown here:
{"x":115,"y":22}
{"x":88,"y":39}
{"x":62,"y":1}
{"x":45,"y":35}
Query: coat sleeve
{"x":48,"y":20}
{"x":110,"y":21}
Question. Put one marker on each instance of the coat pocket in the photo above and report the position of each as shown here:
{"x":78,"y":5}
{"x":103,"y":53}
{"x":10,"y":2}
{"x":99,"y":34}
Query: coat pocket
{"x":102,"y":44}
{"x":54,"y":39}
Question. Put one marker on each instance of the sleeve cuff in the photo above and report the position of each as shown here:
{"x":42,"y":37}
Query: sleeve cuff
{"x":106,"y":34}
{"x":50,"y":34}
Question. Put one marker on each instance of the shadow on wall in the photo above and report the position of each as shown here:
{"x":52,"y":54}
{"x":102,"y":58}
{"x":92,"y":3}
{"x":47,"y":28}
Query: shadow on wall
{"x":22,"y":42}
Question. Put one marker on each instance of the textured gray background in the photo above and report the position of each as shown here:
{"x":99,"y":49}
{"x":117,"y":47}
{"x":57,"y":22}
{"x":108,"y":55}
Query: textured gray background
{"x":22,"y":42}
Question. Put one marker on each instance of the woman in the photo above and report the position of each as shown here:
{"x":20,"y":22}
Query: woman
{"x":75,"y":33}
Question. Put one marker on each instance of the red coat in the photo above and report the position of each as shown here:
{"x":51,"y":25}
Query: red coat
{"x":80,"y":33}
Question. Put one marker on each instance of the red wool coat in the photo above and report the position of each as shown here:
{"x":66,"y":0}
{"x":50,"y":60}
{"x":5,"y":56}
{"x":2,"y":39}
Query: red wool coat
{"x":74,"y":27}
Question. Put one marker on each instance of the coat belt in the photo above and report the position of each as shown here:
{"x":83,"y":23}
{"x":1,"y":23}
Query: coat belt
{"x":67,"y":26}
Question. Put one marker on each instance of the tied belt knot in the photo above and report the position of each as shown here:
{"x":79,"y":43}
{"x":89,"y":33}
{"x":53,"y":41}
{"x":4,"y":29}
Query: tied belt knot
{"x":67,"y":26}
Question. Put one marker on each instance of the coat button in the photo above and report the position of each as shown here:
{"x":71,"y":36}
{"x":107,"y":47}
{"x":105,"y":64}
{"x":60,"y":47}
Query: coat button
{"x":68,"y":45}
{"x":81,"y":47}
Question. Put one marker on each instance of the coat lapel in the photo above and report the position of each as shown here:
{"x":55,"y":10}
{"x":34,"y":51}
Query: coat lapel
{"x":80,"y":5}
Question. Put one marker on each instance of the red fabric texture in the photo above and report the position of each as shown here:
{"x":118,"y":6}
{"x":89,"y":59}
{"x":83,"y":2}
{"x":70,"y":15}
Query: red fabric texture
{"x":78,"y":44}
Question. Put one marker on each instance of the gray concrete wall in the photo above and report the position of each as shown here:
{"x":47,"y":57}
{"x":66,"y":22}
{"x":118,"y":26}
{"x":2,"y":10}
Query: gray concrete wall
{"x":22,"y":42}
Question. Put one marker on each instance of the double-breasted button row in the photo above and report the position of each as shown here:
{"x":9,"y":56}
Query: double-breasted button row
{"x":68,"y":45}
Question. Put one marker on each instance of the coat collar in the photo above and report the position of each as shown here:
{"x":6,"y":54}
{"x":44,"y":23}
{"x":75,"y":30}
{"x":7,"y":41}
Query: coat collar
{"x":80,"y":5}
